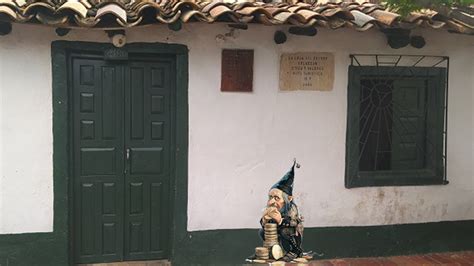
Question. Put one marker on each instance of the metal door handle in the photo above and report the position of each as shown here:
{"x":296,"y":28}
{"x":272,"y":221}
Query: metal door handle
{"x":127,"y":160}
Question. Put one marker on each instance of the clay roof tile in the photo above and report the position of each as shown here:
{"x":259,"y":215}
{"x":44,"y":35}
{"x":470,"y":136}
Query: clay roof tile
{"x":92,"y":13}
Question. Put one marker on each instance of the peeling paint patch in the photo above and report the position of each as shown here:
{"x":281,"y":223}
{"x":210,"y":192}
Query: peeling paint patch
{"x":380,"y":195}
{"x":444,"y":210}
{"x":421,"y":202}
{"x":324,"y":205}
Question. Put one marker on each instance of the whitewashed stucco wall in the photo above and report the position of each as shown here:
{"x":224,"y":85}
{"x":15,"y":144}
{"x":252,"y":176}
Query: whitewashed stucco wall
{"x":240,"y":143}
{"x":1,"y":141}
{"x":26,"y":133}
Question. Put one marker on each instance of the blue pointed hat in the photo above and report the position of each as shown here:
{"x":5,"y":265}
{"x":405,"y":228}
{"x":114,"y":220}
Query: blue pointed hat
{"x":286,"y":182}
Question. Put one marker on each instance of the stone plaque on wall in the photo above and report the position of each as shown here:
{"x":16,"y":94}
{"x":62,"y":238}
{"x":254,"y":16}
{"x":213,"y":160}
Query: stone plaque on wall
{"x":307,"y":71}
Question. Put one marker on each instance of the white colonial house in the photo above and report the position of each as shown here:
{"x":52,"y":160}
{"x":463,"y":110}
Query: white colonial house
{"x":143,"y":130}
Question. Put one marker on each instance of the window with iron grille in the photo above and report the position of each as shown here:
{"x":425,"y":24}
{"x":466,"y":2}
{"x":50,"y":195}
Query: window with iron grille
{"x":396,"y":132}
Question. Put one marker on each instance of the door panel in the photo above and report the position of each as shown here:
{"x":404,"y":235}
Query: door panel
{"x":148,"y":138}
{"x":98,"y":160}
{"x":123,"y":145}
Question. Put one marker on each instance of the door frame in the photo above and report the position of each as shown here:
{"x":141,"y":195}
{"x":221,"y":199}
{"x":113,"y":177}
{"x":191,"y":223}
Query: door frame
{"x":62,"y":134}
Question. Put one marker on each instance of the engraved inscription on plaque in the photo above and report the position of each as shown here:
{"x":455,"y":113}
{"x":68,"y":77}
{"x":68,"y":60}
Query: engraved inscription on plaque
{"x":237,"y":70}
{"x":307,"y":71}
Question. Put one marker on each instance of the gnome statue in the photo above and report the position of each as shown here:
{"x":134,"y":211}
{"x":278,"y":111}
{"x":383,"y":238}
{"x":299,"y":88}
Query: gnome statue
{"x":282,"y":211}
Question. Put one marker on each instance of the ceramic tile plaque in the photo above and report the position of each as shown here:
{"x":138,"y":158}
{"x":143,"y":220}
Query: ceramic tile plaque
{"x":307,"y":71}
{"x":237,"y":70}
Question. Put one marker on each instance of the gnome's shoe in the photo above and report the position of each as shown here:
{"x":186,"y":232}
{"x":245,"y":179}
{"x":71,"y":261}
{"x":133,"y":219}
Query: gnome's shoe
{"x":289,"y":257}
{"x":308,"y":255}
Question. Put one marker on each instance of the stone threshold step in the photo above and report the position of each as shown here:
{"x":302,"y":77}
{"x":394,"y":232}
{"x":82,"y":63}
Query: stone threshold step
{"x":132,"y":263}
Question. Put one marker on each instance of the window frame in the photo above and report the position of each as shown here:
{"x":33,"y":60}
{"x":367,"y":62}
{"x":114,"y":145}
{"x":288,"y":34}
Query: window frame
{"x":435,"y":175}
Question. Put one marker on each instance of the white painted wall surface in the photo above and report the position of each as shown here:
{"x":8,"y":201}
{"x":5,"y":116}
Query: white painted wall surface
{"x":1,"y":140}
{"x":26,"y":133}
{"x":241,"y":143}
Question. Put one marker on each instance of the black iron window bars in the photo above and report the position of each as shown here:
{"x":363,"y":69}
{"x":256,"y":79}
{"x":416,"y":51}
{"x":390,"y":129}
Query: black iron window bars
{"x":397,"y":120}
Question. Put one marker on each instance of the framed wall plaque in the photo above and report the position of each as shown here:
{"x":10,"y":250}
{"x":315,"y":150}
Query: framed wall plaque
{"x":237,"y":70}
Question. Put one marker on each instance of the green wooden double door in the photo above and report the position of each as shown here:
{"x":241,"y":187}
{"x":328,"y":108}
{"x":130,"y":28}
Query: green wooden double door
{"x":123,"y":137}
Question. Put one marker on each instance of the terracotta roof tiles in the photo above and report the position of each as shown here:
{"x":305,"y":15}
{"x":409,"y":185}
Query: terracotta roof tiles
{"x":131,"y":13}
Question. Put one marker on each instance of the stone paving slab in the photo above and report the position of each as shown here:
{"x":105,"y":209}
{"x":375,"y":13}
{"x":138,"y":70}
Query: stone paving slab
{"x":449,"y":258}
{"x":463,"y":258}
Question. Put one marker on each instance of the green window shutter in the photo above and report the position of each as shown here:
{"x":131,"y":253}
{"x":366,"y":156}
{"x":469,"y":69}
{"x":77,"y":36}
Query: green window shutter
{"x":416,"y":125}
{"x":409,"y":124}
{"x":435,"y":121}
